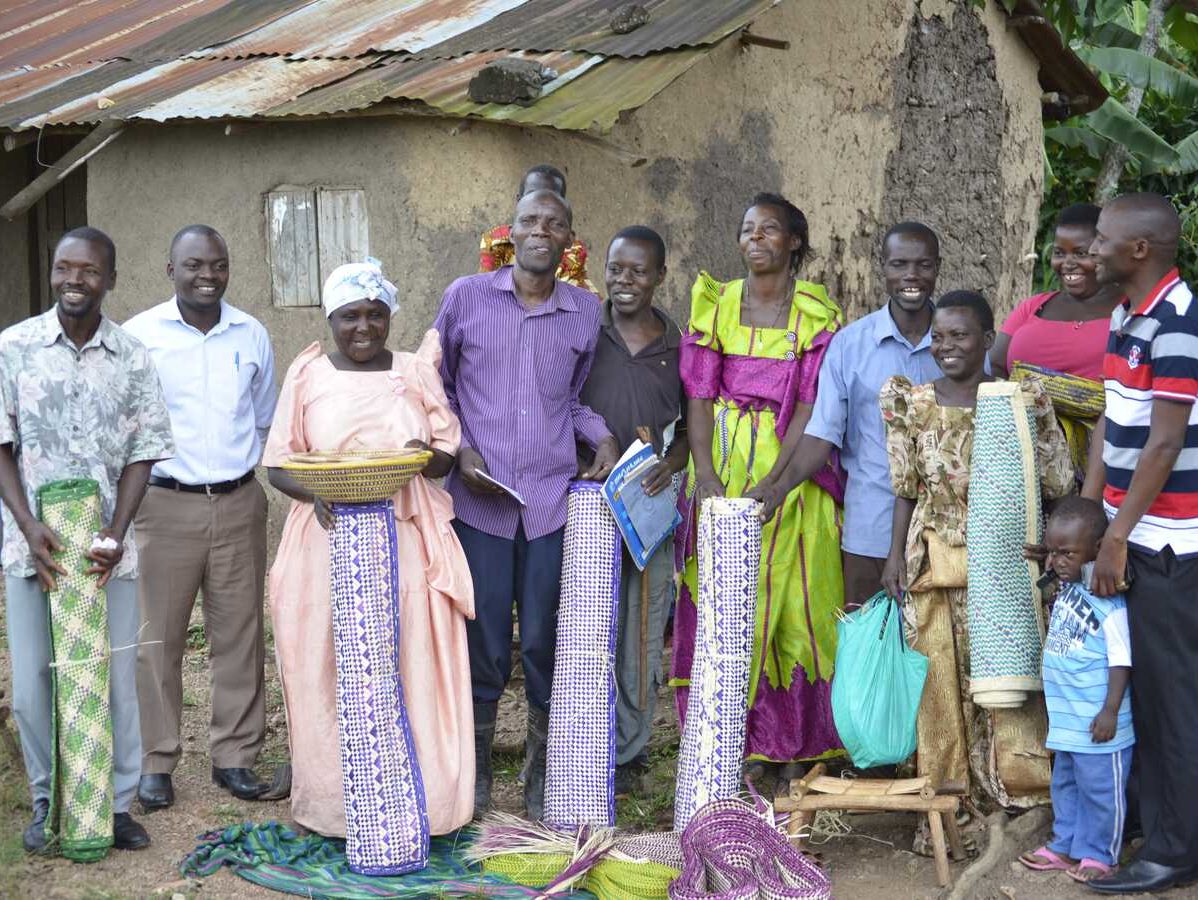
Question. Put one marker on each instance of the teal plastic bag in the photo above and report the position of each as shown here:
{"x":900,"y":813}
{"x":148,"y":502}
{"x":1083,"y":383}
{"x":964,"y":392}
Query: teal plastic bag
{"x":877,"y":684}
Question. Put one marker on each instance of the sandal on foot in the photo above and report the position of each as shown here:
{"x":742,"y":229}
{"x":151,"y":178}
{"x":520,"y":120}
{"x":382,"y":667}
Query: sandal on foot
{"x":1088,"y":869}
{"x":1045,"y":860}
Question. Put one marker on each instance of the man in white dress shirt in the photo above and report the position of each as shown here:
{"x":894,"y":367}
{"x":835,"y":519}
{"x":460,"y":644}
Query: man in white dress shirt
{"x":202,"y":524}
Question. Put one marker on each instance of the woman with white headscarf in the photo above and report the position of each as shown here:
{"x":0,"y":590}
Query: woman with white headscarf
{"x":363,"y":396}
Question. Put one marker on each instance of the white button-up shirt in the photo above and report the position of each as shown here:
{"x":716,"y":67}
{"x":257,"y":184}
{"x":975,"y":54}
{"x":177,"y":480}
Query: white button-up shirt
{"x":220,"y":390}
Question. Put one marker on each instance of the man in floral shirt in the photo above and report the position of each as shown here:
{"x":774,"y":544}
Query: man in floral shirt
{"x":81,"y":399}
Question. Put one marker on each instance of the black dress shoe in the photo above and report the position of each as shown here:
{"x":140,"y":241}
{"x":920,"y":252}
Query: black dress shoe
{"x":127,"y":834}
{"x":241,"y":783}
{"x":1141,"y":876}
{"x":155,"y":792}
{"x":35,"y":834}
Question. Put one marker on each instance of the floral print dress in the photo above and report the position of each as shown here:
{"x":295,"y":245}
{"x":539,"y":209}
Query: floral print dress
{"x":997,"y":756}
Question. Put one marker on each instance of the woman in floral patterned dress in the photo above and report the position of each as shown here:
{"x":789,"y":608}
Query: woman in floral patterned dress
{"x":995,"y":756}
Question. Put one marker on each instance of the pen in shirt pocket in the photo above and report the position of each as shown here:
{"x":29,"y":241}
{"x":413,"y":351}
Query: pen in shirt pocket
{"x":237,"y":360}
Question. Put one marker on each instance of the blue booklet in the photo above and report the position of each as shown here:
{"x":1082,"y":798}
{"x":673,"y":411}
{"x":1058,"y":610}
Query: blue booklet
{"x":644,"y":521}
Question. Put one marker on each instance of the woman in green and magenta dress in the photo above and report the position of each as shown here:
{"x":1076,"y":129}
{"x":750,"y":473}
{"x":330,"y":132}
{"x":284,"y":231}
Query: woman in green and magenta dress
{"x":750,"y":364}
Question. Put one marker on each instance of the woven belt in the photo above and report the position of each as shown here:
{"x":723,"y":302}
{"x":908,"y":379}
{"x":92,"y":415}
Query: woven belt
{"x":220,"y":487}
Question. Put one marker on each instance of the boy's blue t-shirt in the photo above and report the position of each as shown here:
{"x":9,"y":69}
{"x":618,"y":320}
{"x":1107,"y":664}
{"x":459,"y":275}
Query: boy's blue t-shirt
{"x":1086,"y":636}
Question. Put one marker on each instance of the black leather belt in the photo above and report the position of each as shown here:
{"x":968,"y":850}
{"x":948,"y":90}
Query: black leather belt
{"x":221,"y":487}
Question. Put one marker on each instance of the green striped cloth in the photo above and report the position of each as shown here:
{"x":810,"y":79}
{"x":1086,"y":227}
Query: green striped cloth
{"x":81,"y":791}
{"x":278,"y":858}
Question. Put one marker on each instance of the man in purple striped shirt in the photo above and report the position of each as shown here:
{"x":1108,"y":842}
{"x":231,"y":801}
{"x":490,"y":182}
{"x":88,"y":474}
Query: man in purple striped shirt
{"x":518,"y":345}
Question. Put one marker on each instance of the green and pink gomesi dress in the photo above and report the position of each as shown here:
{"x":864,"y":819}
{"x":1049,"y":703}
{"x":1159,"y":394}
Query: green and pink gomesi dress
{"x":756,"y":378}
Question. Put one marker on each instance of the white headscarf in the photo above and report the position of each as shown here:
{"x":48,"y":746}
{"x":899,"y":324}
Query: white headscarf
{"x":358,"y":281}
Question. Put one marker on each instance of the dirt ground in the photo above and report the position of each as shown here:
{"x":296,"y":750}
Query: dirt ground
{"x":869,"y":862}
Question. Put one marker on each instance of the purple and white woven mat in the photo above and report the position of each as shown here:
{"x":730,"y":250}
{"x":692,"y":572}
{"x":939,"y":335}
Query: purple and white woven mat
{"x":386,"y":817}
{"x":581,"y":757}
{"x":713,"y":736}
{"x":730,"y":851}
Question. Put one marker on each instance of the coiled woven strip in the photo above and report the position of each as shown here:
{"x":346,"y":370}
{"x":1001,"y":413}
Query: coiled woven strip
{"x":731,"y":852}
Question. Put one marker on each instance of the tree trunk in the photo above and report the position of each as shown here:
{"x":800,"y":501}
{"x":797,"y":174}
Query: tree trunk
{"x":1117,"y":156}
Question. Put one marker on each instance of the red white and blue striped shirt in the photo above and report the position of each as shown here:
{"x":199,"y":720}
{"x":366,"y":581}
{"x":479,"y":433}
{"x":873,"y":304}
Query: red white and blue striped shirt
{"x":513,"y":376}
{"x":1152,"y":354}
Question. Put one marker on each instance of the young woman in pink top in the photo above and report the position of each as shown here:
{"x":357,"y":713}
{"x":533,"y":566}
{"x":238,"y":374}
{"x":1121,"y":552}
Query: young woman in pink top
{"x":1063,"y":333}
{"x":1064,"y":330}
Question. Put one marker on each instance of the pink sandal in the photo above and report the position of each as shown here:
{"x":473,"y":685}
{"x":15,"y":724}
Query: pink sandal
{"x":1094,"y":867}
{"x":1047,"y":861}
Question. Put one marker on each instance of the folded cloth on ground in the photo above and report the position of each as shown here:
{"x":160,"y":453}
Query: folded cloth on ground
{"x":275,"y":857}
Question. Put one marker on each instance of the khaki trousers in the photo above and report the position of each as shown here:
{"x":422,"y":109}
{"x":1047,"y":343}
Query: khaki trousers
{"x":190,"y":542}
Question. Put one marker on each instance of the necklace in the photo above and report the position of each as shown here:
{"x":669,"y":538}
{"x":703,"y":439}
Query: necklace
{"x":783,"y":309}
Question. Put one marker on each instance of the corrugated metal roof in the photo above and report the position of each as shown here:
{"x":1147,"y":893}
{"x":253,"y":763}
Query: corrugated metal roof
{"x":583,"y":26}
{"x":64,"y":62}
{"x":57,"y":32}
{"x":40,"y":33}
{"x":347,"y":28}
{"x":72,"y":61}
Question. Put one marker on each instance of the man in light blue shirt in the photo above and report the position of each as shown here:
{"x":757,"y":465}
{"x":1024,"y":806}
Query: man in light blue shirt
{"x":894,"y":340}
{"x":202,"y":525}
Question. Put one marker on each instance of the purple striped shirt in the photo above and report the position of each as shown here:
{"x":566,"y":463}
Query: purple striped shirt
{"x":513,"y":375}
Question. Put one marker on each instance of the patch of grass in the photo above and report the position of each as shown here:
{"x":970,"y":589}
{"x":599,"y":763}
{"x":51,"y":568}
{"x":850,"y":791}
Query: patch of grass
{"x":507,"y":766}
{"x":228,"y":814}
{"x":14,"y":811}
{"x":96,"y":893}
{"x":652,"y":807}
{"x":196,"y":639}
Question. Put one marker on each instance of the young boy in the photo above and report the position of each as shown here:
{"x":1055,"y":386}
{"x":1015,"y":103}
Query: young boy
{"x":1087,"y":665}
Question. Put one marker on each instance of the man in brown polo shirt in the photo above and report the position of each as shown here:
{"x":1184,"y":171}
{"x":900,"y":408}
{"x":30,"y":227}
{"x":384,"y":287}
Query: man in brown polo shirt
{"x":634,"y":383}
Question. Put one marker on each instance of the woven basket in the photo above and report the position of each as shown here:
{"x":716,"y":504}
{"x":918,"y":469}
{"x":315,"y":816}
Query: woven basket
{"x":360,"y":476}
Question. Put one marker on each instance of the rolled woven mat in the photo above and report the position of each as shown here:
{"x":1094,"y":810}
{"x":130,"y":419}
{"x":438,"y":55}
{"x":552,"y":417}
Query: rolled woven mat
{"x":732,"y":852}
{"x":713,"y":736}
{"x":386,"y":816}
{"x":81,"y":790}
{"x":1071,"y":395}
{"x":581,"y":754}
{"x":1006,"y":630}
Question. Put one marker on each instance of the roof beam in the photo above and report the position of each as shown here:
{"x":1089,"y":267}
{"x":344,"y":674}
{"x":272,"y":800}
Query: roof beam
{"x":103,"y":135}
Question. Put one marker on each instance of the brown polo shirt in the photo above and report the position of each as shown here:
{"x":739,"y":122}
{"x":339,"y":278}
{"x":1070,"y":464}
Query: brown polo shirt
{"x":644,"y":389}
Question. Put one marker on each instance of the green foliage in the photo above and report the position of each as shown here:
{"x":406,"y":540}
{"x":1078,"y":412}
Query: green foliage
{"x":1162,"y":138}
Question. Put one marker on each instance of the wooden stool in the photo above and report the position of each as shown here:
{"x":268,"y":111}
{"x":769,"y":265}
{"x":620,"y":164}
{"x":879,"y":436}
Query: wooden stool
{"x":816,"y":791}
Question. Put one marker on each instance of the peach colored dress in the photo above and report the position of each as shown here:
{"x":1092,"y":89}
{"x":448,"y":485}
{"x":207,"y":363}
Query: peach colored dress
{"x":323,"y":408}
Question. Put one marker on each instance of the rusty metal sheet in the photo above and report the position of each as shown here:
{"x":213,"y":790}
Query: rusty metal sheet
{"x":430,"y":81}
{"x":248,"y":90}
{"x":124,"y":97}
{"x":196,"y":89}
{"x":583,"y":26}
{"x":19,"y":84}
{"x":348,"y":28}
{"x":229,"y":23}
{"x":590,"y":103}
{"x":589,"y":93}
{"x":75,"y":81}
{"x":39,"y":33}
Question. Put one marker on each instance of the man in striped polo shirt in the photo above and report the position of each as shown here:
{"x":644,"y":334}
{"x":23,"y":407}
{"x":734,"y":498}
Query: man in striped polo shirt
{"x":1149,"y":440}
{"x":518,"y":346}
